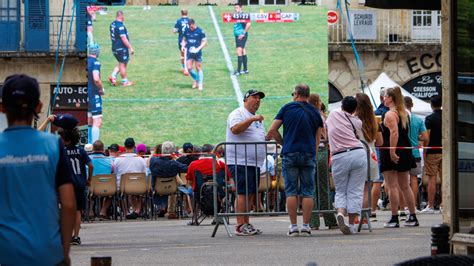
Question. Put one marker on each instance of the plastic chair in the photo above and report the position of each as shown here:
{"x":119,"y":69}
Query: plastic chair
{"x":134,"y":184}
{"x":103,"y":186}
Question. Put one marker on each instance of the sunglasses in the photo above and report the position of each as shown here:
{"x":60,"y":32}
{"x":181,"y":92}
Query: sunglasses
{"x":293,"y":94}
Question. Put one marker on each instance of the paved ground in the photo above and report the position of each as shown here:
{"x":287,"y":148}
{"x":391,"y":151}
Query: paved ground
{"x":171,"y":242}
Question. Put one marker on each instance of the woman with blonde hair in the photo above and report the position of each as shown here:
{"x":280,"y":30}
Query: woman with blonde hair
{"x":396,"y":160}
{"x":322,"y":175}
{"x":372,"y":135}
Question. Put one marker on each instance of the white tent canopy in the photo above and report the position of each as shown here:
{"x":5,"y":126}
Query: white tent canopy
{"x":420,"y":107}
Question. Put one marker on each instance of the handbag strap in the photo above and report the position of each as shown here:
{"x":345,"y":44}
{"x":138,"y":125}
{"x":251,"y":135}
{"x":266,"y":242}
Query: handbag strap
{"x":353,"y":127}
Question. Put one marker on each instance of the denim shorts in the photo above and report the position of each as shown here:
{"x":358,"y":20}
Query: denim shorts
{"x":299,"y":169}
{"x":245,"y":185}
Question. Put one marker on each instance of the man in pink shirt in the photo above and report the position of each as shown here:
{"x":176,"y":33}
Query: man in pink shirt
{"x":349,"y":163}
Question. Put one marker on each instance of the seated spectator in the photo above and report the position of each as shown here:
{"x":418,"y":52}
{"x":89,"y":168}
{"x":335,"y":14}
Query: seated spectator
{"x":102,"y":166}
{"x":188,"y":158}
{"x":167,"y":166}
{"x":129,"y":162}
{"x":141,"y":150}
{"x":204,"y":165}
{"x":113,"y":150}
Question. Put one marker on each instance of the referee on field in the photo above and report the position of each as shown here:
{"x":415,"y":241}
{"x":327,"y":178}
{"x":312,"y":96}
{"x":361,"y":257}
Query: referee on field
{"x":241,"y":34}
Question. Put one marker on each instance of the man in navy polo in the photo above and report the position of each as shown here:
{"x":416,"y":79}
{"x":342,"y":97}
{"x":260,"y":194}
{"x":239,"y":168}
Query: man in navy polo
{"x":34,"y":165}
{"x":302,"y":127}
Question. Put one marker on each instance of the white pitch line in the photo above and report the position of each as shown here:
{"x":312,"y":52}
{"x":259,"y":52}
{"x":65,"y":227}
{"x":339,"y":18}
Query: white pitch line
{"x":235,"y":82}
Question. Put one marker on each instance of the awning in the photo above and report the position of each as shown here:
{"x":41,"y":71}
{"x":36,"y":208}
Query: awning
{"x":405,"y":4}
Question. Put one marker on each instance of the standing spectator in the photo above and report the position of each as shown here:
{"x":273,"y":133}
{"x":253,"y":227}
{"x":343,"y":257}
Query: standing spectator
{"x":382,"y":109}
{"x":166,"y":166}
{"x":433,"y":157}
{"x":322,"y":173}
{"x":396,"y":163}
{"x":373,"y":137}
{"x":244,"y":125}
{"x":349,"y":163}
{"x":102,"y":166}
{"x":417,"y":133}
{"x":79,"y":160}
{"x":121,"y":48}
{"x":241,"y":33}
{"x":129,"y":162}
{"x":30,"y":217}
{"x":302,"y":126}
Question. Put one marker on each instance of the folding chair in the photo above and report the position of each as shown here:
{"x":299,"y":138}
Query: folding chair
{"x":103,"y":186}
{"x":164,"y":186}
{"x":134,"y":184}
{"x":198,"y":215}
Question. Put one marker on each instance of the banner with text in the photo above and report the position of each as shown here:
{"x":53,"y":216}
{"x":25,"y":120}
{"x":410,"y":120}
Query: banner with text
{"x":363,"y":25}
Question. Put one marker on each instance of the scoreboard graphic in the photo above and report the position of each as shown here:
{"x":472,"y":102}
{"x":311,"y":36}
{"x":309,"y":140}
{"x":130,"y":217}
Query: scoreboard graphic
{"x":261,"y":17}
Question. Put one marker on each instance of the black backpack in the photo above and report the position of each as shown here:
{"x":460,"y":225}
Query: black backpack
{"x":206,"y":199}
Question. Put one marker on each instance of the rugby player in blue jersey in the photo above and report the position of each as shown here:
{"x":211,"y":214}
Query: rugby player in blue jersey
{"x":194,"y":40}
{"x":95,"y":91}
{"x":241,"y":34}
{"x":182,"y":24}
{"x":121,"y":49}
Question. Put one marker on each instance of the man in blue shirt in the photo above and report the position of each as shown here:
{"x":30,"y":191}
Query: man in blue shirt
{"x":182,"y":24}
{"x":381,"y":109}
{"x":95,"y":91}
{"x":121,"y":48}
{"x":194,"y":40}
{"x":34,"y":166}
{"x":241,"y":34}
{"x":102,"y":166}
{"x":303,"y":126}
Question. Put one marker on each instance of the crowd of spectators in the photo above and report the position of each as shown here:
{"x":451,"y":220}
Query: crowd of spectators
{"x":392,"y":141}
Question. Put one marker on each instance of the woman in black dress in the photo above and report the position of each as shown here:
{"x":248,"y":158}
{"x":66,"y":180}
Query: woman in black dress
{"x":396,"y":163}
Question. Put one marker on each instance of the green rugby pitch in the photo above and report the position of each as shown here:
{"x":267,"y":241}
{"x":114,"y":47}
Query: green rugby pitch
{"x":162,"y":105}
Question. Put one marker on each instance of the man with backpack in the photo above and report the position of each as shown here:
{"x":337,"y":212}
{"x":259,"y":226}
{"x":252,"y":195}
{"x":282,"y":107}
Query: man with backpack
{"x":204,"y":166}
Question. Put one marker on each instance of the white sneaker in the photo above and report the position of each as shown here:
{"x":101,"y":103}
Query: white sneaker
{"x":293,"y":231}
{"x":200,"y":87}
{"x":342,"y":225}
{"x":380,"y":204}
{"x":427,"y":210}
{"x":353,"y":229}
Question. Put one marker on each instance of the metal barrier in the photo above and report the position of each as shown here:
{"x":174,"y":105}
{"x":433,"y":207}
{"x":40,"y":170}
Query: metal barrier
{"x":230,"y":190}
